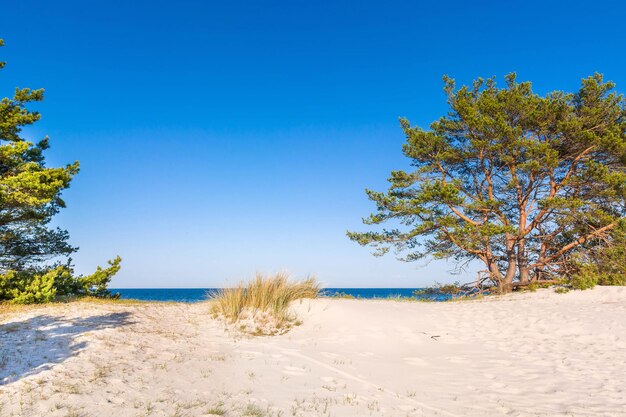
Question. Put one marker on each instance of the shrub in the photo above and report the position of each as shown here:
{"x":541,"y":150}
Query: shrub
{"x":29,"y":287}
{"x":585,"y":278}
{"x":262,"y":305}
{"x":604,"y":264}
{"x":590,"y":275}
{"x":341,"y":294}
{"x":95,"y":285}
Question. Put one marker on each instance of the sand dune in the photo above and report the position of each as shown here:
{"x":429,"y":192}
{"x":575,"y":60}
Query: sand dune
{"x":539,"y":354}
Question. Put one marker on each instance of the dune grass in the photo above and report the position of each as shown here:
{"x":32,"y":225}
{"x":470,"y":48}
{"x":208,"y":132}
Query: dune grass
{"x":265,"y":298}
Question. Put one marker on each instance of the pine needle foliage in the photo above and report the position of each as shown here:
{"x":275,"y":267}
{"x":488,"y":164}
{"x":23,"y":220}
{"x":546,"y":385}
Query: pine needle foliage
{"x":509,"y":178}
{"x":32,"y":253}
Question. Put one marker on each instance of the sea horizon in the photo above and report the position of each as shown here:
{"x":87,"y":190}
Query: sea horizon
{"x":183,"y":294}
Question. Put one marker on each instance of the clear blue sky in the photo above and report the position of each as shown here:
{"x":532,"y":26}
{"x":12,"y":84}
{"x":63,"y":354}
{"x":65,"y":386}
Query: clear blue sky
{"x":217,"y":139}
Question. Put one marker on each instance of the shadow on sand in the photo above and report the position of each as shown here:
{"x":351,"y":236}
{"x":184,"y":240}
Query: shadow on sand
{"x":36,"y":344}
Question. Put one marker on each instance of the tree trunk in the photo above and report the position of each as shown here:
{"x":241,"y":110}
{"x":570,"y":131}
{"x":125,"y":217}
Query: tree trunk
{"x":495,"y":273}
{"x":522,"y":262}
{"x":507,"y":281}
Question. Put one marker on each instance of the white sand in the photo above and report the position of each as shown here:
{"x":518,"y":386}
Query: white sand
{"x":540,"y":354}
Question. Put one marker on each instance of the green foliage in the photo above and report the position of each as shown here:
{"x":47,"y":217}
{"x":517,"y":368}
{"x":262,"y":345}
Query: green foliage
{"x":95,"y":285}
{"x":28,"y":287}
{"x":603,"y":264}
{"x":30,"y":192}
{"x":341,"y":294}
{"x":610,"y":259}
{"x":453,"y":289}
{"x":509,"y":178}
{"x":30,"y":195}
{"x":584,"y":279}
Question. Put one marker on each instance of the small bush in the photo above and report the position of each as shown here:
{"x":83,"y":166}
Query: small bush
{"x":262,"y":305}
{"x":612,"y":279}
{"x":604,"y":264}
{"x":561,"y":290}
{"x":28,"y":288}
{"x":342,"y":294}
{"x":33,"y":287}
{"x":585,"y":278}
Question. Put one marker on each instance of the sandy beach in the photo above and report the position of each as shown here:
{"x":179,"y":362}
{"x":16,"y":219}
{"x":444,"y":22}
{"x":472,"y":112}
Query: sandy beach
{"x":533,"y":354}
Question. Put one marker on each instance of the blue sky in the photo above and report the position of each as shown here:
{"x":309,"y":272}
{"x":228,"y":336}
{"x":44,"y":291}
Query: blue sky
{"x":217,"y":139}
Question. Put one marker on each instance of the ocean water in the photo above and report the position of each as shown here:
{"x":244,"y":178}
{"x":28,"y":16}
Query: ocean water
{"x":191,"y":295}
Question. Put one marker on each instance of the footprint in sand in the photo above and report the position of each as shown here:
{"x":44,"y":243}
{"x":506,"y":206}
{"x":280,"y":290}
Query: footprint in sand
{"x":456,"y":359}
{"x":294,"y":371}
{"x":406,"y":408}
{"x":333,"y":380}
{"x":249,"y":354}
{"x":501,"y":362}
{"x":416,"y":361}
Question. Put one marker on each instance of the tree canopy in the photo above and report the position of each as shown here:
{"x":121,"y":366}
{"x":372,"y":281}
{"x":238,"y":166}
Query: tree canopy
{"x":508,"y":177}
{"x":29,"y":190}
{"x":30,"y":195}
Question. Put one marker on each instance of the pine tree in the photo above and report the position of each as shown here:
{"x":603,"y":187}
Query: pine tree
{"x":30,"y":192}
{"x":510,"y":178}
{"x":30,"y":195}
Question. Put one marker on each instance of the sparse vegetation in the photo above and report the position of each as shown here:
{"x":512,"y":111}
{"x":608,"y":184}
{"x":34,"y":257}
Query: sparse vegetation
{"x":604,"y":263}
{"x":216,"y":411}
{"x":253,"y":410}
{"x":262,"y":305}
{"x":342,"y":294}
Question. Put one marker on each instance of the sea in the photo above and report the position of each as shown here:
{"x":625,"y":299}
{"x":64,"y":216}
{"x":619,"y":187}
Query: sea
{"x":192,"y":295}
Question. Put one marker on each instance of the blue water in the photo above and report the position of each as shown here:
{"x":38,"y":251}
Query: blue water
{"x":186,"y":295}
{"x":190,"y":295}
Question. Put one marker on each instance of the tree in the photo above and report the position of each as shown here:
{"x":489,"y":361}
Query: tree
{"x":510,"y":178}
{"x":29,"y":191}
{"x":30,"y":195}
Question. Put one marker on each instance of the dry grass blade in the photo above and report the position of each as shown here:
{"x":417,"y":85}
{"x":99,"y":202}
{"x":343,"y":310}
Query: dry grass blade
{"x":263,"y":298}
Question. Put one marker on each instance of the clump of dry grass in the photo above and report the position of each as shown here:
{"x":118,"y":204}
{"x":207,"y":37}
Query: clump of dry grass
{"x":261,"y":306}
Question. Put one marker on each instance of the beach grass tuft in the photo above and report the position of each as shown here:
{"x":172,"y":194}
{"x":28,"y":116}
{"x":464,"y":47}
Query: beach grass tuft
{"x":264,"y":300}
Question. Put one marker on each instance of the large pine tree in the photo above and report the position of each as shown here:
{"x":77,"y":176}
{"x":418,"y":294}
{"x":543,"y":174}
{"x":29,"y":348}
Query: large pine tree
{"x":516,"y":180}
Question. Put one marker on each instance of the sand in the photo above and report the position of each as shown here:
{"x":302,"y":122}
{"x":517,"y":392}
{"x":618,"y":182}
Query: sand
{"x":535,"y":354}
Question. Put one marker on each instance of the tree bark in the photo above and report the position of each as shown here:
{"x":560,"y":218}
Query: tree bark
{"x":507,"y":281}
{"x":522,"y":263}
{"x":496,"y":275}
